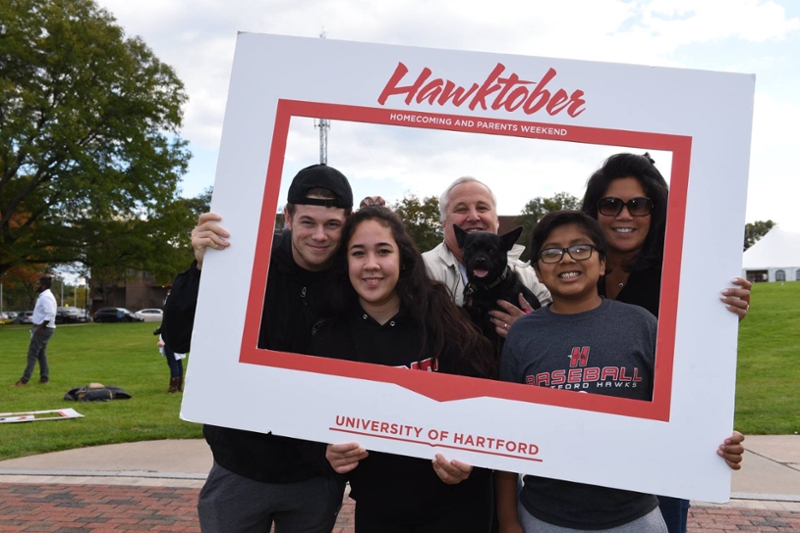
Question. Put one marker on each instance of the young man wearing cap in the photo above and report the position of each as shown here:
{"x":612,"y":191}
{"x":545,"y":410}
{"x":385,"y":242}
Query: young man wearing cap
{"x":44,"y":324}
{"x":260,"y":479}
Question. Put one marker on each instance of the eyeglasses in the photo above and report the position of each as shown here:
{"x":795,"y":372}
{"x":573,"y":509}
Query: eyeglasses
{"x":637,"y":207}
{"x":579,"y":252}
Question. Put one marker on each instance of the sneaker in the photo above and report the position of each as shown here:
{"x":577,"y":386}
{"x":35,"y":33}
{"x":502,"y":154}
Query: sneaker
{"x":44,"y":381}
{"x":20,"y":383}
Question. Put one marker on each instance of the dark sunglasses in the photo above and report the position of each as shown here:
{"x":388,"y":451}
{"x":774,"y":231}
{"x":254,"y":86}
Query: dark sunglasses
{"x":637,"y":207}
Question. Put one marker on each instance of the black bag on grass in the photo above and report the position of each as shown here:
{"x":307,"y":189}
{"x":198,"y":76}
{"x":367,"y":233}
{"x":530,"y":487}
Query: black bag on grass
{"x":96,"y":392}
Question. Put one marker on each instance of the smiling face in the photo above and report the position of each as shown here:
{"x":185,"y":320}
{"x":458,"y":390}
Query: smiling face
{"x":472,"y":209}
{"x":316,"y":235}
{"x":572,"y":284}
{"x":373,"y":264}
{"x":625,"y":233}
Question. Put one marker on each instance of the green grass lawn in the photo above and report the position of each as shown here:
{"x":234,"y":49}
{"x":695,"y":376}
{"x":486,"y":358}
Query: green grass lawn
{"x":124,"y":355}
{"x":767,"y":397}
{"x":768,"y":373}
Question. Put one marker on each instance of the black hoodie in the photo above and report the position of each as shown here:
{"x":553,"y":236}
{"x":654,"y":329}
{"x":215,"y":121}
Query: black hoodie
{"x":290,"y":311}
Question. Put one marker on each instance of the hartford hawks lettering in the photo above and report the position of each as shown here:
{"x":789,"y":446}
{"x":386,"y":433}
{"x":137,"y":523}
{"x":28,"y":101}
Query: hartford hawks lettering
{"x":581,"y":376}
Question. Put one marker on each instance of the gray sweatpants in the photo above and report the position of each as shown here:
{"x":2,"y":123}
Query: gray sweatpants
{"x":37,"y":351}
{"x":230,"y":503}
{"x":652,"y":522}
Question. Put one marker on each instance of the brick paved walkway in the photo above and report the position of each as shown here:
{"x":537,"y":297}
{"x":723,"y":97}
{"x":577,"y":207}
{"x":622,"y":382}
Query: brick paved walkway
{"x":119,"y":508}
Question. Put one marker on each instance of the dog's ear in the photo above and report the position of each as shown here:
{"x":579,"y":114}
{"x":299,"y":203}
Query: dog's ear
{"x":510,"y":238}
{"x":461,"y":236}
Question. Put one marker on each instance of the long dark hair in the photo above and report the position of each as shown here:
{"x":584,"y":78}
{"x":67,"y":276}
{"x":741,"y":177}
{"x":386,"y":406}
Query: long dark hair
{"x":641,"y":167}
{"x":426,"y":301}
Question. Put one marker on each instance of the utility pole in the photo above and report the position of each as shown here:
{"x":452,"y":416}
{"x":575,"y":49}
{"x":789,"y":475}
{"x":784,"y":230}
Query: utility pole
{"x":324,"y":125}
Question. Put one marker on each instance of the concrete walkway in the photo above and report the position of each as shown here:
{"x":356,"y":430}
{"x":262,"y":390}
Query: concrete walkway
{"x":771,"y":469}
{"x":153,"y":486}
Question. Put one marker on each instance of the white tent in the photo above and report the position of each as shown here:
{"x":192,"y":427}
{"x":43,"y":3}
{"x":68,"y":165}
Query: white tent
{"x":776,"y":257}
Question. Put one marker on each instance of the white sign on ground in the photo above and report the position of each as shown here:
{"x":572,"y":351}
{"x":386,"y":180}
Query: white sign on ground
{"x":700,"y":122}
{"x":37,"y":416}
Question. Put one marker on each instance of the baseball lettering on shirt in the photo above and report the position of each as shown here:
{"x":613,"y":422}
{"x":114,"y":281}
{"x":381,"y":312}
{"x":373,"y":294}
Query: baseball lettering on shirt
{"x":580,"y":376}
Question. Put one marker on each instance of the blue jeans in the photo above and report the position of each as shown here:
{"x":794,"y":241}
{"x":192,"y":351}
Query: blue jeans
{"x":175,"y":365}
{"x":675,"y":512}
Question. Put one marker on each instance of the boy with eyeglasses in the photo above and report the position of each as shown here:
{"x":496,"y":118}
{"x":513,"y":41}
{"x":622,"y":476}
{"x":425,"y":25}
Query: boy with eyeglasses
{"x":585,"y":343}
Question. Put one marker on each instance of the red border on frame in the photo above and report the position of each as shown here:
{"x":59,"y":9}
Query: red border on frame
{"x":445,"y":387}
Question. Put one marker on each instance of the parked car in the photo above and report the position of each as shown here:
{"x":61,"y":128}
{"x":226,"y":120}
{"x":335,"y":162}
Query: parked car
{"x":24,"y":317}
{"x":150,"y":315}
{"x":115,"y":314}
{"x":71,"y":315}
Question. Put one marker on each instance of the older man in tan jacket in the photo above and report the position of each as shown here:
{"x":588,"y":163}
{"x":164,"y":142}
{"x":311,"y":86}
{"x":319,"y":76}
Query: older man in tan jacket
{"x":471,"y":205}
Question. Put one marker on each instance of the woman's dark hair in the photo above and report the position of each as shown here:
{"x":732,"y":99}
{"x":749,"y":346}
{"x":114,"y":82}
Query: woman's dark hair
{"x":426,"y":301}
{"x":641,"y":167}
{"x":556,"y":219}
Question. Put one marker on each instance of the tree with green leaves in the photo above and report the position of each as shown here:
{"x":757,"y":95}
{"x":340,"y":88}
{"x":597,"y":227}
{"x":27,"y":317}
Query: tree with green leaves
{"x":753,"y":232}
{"x":89,"y":144}
{"x":116,"y":250}
{"x":539,"y":207}
{"x":421,"y":219}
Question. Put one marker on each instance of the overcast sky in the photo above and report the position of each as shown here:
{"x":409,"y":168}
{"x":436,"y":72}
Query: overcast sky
{"x":197,"y":38}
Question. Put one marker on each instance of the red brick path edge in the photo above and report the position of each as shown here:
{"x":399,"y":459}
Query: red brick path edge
{"x":116,"y":509}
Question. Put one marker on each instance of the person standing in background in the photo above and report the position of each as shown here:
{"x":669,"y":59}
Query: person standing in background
{"x":175,"y":363}
{"x":44,"y":324}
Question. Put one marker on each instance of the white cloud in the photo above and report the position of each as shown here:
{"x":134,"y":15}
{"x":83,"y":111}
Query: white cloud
{"x":198,"y":39}
{"x":774,"y":179}
{"x":689,"y":21}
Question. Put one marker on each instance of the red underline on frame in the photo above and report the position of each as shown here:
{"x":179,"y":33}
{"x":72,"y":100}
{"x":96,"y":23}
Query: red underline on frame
{"x":433,"y":445}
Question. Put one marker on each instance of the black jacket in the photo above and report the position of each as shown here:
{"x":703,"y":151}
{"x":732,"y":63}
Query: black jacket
{"x":399,"y":488}
{"x":290,"y":311}
{"x":643,"y":289}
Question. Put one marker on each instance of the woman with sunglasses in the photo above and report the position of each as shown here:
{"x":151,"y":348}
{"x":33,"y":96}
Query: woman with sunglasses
{"x":387,"y":311}
{"x":628,"y":197}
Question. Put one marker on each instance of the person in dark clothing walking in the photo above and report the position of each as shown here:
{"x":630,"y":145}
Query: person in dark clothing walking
{"x":258,"y":480}
{"x":387,"y":311}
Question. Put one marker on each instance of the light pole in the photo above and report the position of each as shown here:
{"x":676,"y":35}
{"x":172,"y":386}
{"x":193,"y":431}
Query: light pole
{"x":86,"y":296}
{"x":79,"y":283}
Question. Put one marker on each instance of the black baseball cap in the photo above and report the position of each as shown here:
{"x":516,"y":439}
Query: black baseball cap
{"x":323,"y":177}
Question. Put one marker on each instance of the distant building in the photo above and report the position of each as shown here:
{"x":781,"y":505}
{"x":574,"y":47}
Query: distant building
{"x":139,"y":291}
{"x":507,"y":223}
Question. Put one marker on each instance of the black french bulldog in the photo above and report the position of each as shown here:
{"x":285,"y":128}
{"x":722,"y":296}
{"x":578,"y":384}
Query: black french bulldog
{"x":490,"y":278}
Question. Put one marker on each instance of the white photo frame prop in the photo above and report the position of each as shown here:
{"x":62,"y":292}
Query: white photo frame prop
{"x":667,"y":446}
